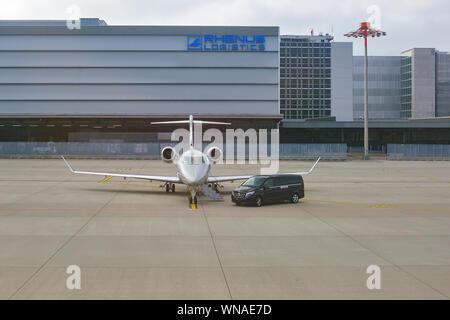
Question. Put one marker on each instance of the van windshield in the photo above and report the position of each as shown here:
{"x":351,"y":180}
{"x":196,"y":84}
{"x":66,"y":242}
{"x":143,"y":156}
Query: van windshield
{"x":254,"y":181}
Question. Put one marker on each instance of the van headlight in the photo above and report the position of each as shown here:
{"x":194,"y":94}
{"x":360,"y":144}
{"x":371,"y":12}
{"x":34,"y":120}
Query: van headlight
{"x":249,"y":194}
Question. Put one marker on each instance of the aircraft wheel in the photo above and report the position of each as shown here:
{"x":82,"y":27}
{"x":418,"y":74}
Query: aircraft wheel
{"x":258,"y":201}
{"x":173,"y":187}
{"x":167,"y":187}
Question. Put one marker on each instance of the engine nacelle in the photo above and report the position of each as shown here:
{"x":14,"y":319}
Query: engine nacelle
{"x":214,"y":154}
{"x":168,"y":154}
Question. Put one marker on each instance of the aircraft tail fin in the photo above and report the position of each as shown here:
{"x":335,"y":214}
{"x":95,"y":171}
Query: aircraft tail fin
{"x":191,"y":122}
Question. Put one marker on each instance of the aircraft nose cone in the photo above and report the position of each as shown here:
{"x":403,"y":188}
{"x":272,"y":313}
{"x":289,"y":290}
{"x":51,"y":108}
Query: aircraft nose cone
{"x":195,"y":174}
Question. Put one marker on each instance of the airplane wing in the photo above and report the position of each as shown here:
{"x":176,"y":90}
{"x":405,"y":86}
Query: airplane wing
{"x":232,"y":178}
{"x":229,"y":178}
{"x":136,"y":176}
{"x":304,"y":172}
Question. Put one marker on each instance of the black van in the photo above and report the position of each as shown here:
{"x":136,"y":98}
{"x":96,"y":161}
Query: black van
{"x":259,"y":190}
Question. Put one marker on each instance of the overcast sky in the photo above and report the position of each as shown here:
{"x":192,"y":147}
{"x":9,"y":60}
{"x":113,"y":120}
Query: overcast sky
{"x":408,"y":23}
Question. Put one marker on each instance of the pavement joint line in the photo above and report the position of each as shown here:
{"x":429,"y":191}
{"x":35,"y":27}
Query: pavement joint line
{"x":109,"y":177}
{"x":377,"y":205}
{"x":217,"y":253}
{"x":61,"y":247}
{"x":376,"y":254}
{"x":25,"y":197}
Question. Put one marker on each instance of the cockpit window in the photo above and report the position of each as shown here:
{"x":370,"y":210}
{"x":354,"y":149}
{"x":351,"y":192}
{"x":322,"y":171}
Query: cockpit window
{"x":194,"y":159}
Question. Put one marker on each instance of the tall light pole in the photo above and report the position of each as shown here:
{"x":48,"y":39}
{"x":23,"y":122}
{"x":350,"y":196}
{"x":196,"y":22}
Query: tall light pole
{"x":364,"y":31}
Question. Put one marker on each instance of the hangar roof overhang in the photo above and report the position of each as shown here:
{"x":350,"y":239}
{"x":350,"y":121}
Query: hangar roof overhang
{"x":144,"y":116}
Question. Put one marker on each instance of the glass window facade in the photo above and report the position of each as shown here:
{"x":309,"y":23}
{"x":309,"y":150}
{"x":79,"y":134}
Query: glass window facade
{"x":305,"y":77}
{"x":406,"y":85}
{"x":442,"y":84}
{"x":383,"y":85}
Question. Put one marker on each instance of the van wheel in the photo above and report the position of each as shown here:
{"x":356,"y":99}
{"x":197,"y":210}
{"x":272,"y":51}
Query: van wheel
{"x":294,"y":198}
{"x":258,"y":201}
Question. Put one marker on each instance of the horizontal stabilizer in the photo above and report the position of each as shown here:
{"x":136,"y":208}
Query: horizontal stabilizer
{"x":194,"y":121}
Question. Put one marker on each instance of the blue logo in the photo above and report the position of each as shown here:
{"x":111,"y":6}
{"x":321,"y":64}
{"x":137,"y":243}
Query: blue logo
{"x":214,"y":42}
{"x":194,"y":42}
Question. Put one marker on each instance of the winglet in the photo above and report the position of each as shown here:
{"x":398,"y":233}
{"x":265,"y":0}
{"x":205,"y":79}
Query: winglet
{"x":312,"y":168}
{"x":67,"y":163}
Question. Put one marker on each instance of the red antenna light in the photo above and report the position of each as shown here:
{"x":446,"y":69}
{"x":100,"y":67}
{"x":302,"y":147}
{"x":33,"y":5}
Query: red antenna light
{"x":365,"y":30}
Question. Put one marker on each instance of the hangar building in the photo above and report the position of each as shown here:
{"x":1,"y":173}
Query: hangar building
{"x":89,"y":83}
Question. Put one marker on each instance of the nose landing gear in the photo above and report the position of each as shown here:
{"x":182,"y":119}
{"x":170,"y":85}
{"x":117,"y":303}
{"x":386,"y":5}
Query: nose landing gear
{"x":193,"y":202}
{"x":193,"y":198}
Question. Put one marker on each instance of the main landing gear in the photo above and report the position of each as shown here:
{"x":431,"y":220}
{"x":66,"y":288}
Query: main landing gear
{"x":215,"y":187}
{"x":170,"y":187}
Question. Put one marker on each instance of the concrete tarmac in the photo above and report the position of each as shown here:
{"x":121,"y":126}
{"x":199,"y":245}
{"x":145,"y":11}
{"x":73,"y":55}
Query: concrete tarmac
{"x":132,"y":240}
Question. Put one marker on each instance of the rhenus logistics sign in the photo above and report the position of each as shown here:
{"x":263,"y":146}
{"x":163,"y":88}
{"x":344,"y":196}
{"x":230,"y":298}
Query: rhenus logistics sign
{"x":214,"y":42}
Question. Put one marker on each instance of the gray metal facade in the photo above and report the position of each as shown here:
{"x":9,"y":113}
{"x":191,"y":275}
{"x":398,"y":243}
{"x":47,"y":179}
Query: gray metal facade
{"x":101,"y":70}
{"x":419,"y":83}
{"x":384,"y":87}
{"x":418,"y":152}
{"x":152,"y":150}
{"x":341,"y":81}
{"x":442,"y":84}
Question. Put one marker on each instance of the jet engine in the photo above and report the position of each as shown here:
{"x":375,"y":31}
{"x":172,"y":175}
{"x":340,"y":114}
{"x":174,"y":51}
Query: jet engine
{"x":168,"y":154}
{"x":214,"y":154}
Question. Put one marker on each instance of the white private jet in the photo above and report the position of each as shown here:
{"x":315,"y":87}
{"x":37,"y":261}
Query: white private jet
{"x":193,"y":167}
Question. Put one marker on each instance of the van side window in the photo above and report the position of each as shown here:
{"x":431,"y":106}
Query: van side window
{"x":280,"y":181}
{"x":269,"y":183}
{"x":293,"y":180}
{"x":290,"y":179}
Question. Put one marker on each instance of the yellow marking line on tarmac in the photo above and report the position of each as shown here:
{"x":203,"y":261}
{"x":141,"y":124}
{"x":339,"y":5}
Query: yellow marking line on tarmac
{"x":193,"y":206}
{"x":385,"y":205}
{"x":109,"y":177}
{"x":415,"y":175}
{"x":377,"y":206}
{"x":380,"y":206}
